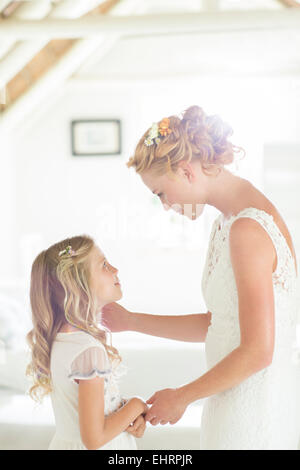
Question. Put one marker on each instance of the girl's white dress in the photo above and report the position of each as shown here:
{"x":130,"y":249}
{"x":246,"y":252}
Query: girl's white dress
{"x":263,"y":411}
{"x":78,"y":355}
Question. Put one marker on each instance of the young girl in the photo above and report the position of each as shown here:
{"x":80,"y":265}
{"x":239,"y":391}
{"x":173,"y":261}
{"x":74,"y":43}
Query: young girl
{"x":70,"y":282}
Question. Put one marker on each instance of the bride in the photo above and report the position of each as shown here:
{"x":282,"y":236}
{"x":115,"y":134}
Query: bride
{"x":249,"y":286}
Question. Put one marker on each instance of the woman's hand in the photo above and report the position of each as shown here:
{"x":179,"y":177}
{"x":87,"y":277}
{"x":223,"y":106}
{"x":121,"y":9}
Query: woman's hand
{"x":137,"y":428}
{"x":115,"y":317}
{"x":168,"y":406}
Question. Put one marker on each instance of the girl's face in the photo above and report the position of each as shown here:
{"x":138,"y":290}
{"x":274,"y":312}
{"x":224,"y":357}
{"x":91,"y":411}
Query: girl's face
{"x":187,"y":194}
{"x":104,"y":281}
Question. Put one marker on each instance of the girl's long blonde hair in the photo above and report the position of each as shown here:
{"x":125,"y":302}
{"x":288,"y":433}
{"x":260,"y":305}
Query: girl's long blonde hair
{"x":196,"y":136}
{"x":60,"y":292}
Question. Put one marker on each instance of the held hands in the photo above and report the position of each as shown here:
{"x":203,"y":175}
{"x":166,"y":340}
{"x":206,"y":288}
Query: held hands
{"x":138,"y":427}
{"x":168,"y":406}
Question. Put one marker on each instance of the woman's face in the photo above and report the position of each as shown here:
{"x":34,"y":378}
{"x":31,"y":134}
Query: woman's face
{"x":186,"y":194}
{"x":104,"y":280}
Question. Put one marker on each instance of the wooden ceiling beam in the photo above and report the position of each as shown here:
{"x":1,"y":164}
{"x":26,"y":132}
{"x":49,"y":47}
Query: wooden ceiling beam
{"x":31,"y":59}
{"x":8,"y":7}
{"x":68,"y":56}
{"x":289,"y":3}
{"x":93,"y":26}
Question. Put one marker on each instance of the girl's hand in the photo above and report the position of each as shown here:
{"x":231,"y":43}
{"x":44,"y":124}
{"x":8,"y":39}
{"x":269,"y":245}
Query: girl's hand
{"x":144,"y":406}
{"x":167,"y":406}
{"x":115,"y":317}
{"x":137,"y":428}
{"x":140,"y":406}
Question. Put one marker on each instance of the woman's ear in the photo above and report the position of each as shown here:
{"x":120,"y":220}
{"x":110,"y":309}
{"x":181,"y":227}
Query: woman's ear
{"x":187,"y":170}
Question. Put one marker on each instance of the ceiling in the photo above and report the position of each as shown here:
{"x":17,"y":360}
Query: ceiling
{"x":31,"y":69}
{"x":239,"y":53}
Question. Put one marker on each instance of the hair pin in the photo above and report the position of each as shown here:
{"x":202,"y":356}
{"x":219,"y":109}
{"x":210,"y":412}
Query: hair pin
{"x":158,"y":129}
{"x":68,"y":250}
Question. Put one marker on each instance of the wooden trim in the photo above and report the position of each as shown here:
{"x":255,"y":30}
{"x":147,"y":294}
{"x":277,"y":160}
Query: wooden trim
{"x":185,"y":23}
{"x":9,"y":9}
{"x":104,"y":8}
{"x":46,"y":58}
{"x":289,"y":3}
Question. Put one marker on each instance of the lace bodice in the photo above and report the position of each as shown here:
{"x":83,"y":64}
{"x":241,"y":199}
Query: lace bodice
{"x":251,"y":408}
{"x":285,"y":272}
{"x":218,"y":274}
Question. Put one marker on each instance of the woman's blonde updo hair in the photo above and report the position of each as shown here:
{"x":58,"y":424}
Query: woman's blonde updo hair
{"x":59,"y":292}
{"x":195,"y":137}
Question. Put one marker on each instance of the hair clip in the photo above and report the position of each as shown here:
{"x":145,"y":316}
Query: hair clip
{"x":162,"y":128}
{"x":153,"y":135}
{"x":68,"y":250}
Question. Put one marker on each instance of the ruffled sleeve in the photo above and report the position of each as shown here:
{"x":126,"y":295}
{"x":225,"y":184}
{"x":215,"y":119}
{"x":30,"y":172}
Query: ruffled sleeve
{"x":92,"y":362}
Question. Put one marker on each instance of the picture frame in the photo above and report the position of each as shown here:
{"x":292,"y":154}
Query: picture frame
{"x":95,"y":137}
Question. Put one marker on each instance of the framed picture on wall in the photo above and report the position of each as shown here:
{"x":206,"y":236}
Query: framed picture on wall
{"x":95,"y":137}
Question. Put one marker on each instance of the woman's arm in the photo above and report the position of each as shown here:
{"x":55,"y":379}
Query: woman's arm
{"x":189,"y":328}
{"x":96,"y":429}
{"x":231,"y":371}
{"x":170,"y":404}
{"x":192,"y":328}
{"x":252,"y":256}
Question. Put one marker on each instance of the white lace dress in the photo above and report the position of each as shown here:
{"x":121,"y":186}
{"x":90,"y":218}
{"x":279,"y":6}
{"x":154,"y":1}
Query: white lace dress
{"x":78,"y":355}
{"x":263,"y":411}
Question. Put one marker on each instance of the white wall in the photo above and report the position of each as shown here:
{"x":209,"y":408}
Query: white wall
{"x":8,"y":233}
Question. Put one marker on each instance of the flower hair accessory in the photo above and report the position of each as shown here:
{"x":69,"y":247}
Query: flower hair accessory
{"x":67,"y":251}
{"x":162,"y":128}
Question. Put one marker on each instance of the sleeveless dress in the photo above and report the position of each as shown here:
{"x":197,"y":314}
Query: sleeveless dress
{"x":262,"y":412}
{"x":78,"y":355}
